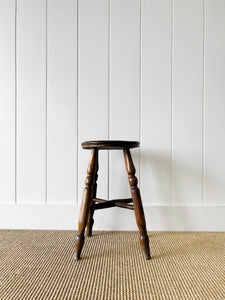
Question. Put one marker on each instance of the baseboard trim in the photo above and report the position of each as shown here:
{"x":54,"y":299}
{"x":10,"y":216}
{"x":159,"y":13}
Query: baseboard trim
{"x":158,"y":218}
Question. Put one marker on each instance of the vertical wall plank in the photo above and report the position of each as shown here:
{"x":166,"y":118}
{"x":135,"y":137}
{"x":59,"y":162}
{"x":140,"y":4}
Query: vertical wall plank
{"x":124,"y":88}
{"x":156,"y":102}
{"x":61,"y":101}
{"x":7,"y":101}
{"x":93,"y":87}
{"x":187,"y":102}
{"x":31,"y":104}
{"x":214,"y":102}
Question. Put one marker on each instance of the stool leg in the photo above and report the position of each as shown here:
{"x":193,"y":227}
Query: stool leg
{"x":86,"y":203}
{"x":138,"y":208}
{"x":91,"y":211}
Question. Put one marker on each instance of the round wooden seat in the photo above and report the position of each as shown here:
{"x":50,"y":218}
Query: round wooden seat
{"x":110,"y":145}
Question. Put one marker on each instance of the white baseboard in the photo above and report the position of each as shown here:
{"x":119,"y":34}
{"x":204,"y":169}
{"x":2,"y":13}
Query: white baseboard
{"x":158,"y":218}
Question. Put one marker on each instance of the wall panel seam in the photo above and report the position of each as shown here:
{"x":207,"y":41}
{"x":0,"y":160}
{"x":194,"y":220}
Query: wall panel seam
{"x":140,"y":90}
{"x":77,"y":94}
{"x":172,"y":49}
{"x":15,"y":128}
{"x":203,"y":111}
{"x":109,"y":78}
{"x":46,"y":107}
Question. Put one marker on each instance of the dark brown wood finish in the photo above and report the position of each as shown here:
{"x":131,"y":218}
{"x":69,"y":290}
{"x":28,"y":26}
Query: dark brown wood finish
{"x":136,"y":197}
{"x":90,"y":222}
{"x":110,"y":145}
{"x":86,"y":202}
{"x":112,"y":203}
{"x":90,"y":203}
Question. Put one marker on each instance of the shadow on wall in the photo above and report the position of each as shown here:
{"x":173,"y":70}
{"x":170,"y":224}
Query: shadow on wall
{"x":158,"y":179}
{"x":155,"y":178}
{"x":160,"y":185}
{"x":156,"y":190}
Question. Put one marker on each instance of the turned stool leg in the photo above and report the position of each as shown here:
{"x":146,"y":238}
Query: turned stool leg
{"x":86,"y":202}
{"x":136,"y":197}
{"x":91,"y":211}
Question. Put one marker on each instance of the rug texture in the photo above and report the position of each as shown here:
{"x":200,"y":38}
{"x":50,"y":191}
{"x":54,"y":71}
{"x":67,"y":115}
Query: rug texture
{"x":41,"y":265}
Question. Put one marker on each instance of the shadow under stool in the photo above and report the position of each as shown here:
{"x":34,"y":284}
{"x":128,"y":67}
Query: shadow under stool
{"x":90,"y":202}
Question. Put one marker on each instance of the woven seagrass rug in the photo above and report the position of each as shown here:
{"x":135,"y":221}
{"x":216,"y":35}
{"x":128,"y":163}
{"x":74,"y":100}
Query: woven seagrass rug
{"x":41,"y":265}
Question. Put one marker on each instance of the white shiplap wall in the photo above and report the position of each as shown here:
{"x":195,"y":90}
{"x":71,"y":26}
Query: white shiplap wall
{"x":73,"y":70}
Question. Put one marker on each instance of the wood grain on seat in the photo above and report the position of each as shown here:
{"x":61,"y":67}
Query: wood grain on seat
{"x":112,"y":145}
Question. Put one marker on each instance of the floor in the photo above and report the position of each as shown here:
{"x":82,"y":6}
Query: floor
{"x":40,"y":265}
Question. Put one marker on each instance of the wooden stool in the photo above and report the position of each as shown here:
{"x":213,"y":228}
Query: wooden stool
{"x":90,"y":203}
